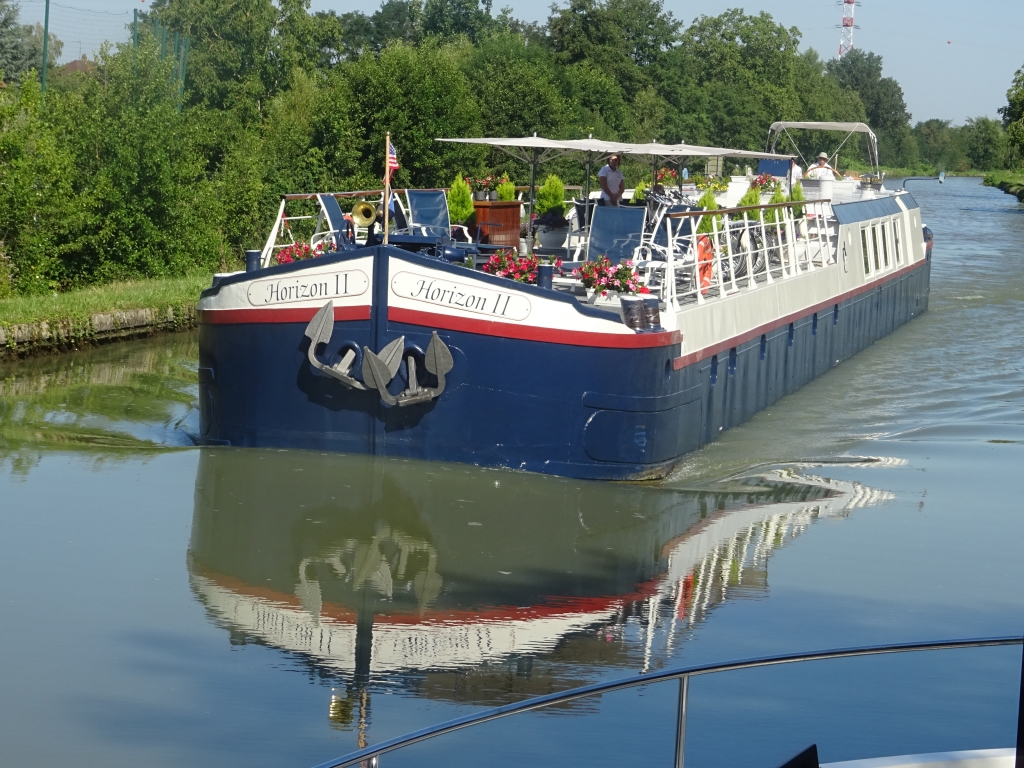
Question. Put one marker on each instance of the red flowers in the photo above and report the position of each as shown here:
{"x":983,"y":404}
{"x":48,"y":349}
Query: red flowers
{"x":298,"y":252}
{"x":666,"y":174}
{"x":764,"y":182}
{"x":522,"y":269}
{"x":603,"y":276}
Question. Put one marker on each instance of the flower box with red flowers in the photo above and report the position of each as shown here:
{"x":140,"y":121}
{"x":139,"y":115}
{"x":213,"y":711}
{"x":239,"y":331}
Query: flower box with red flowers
{"x":602,"y":276}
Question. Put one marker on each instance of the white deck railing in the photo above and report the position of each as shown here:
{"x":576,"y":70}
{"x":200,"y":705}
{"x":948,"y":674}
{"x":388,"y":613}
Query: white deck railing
{"x":746,"y":248}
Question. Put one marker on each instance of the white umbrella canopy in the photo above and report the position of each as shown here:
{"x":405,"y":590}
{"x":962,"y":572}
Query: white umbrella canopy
{"x":534,"y":150}
{"x":783,"y":126}
{"x":842,"y":127}
{"x":529,"y":149}
{"x":655,"y":149}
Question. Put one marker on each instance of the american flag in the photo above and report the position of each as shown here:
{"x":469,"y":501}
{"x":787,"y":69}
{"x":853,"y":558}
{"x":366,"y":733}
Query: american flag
{"x":392,"y":162}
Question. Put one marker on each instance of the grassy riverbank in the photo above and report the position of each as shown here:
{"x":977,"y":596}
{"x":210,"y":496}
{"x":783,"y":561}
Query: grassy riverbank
{"x":54,"y":322}
{"x":1011,"y":182}
{"x":82,"y":304}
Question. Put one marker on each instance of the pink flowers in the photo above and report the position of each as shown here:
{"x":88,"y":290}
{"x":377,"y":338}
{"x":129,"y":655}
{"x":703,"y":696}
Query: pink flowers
{"x":522,"y":269}
{"x":666,"y":175}
{"x":603,"y":276}
{"x":298,"y":252}
{"x":764,"y":182}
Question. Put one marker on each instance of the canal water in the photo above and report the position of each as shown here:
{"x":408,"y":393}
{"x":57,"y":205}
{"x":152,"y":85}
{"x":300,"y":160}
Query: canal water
{"x":162,"y":605}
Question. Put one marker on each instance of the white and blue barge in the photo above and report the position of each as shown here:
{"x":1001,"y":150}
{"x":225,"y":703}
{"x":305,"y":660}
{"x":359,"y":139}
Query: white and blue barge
{"x":393,"y":350}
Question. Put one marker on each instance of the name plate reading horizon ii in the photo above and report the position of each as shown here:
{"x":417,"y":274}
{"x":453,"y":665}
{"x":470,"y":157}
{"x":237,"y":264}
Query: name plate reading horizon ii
{"x":481,"y":300}
{"x":316,"y":287}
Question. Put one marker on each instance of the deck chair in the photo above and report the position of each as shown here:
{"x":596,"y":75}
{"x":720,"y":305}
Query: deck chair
{"x":428,"y":214}
{"x":652,"y":256}
{"x":682,"y":231}
{"x":339,"y":230}
{"x":615,"y":232}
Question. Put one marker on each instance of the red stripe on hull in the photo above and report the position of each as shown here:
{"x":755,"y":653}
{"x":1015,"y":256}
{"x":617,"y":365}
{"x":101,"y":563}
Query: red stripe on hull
{"x":533,"y":333}
{"x":293,"y":315}
{"x":695,"y":357}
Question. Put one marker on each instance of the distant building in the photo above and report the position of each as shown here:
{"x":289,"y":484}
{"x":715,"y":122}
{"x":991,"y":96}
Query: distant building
{"x":78,"y":65}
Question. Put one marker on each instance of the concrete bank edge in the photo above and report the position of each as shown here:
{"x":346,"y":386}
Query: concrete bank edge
{"x":48,"y":337}
{"x":1012,"y":188}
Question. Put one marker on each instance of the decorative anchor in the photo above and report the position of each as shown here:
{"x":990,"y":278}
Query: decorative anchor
{"x":438,"y":360}
{"x":319,"y":332}
{"x":379,"y":369}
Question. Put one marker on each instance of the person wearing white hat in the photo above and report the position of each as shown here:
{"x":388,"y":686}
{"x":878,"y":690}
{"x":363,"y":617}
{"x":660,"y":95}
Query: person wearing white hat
{"x":821,"y":169}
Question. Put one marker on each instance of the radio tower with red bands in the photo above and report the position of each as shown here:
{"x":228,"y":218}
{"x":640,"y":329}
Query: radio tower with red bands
{"x":846,"y":30}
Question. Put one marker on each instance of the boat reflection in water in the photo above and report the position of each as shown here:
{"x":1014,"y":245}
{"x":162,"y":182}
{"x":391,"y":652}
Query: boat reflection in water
{"x":406,"y":573}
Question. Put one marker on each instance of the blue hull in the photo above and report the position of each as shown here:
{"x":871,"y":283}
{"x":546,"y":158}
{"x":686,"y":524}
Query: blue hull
{"x":585,"y":412}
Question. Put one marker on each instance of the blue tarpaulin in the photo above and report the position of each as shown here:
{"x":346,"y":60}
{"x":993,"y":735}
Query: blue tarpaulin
{"x":774,"y":167}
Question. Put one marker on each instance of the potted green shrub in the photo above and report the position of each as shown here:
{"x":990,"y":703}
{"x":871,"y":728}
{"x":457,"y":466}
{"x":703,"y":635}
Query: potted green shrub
{"x":772,"y":214}
{"x":552,"y":226}
{"x":640,"y":192}
{"x":751,"y":198}
{"x":506,"y":189}
{"x":460,"y":200}
{"x":708,"y":203}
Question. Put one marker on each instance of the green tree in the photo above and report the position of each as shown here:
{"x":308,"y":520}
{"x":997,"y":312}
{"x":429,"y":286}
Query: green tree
{"x":36,"y":192}
{"x":1013,"y":118}
{"x":885,"y":107}
{"x":14,"y":55}
{"x":587,"y":30}
{"x":419,"y":94}
{"x":941,"y":145}
{"x":985,"y":143}
{"x":231,"y":60}
{"x":517,"y":89}
{"x":448,"y":19}
{"x":21,"y":45}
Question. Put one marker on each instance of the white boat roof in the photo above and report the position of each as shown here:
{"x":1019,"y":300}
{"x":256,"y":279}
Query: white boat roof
{"x":551,"y":148}
{"x":520,"y":148}
{"x":693,"y":150}
{"x":847,"y":127}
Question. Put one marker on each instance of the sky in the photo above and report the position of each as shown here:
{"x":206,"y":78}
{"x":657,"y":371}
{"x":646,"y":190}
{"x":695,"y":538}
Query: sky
{"x":954,"y":58}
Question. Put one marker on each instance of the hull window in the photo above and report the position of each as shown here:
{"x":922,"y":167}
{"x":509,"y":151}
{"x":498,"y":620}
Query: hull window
{"x":874,"y":243}
{"x":885,"y":246}
{"x":896,"y":243}
{"x":864,"y":249}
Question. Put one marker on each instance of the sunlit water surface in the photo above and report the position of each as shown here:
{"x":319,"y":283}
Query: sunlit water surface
{"x":167,"y":606}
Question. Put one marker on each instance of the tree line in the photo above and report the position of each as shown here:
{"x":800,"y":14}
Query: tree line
{"x":116,"y":172}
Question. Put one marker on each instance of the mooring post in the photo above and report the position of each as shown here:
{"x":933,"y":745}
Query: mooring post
{"x":46,"y":43}
{"x":684,"y":690}
{"x":135,"y":30}
{"x":1019,"y":761}
{"x":184,"y":66}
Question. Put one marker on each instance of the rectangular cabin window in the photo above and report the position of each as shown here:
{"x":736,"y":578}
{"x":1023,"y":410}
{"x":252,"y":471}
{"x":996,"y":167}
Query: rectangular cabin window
{"x":885,"y":246}
{"x":874,"y":242}
{"x":896,"y":243}
{"x":864,"y":246}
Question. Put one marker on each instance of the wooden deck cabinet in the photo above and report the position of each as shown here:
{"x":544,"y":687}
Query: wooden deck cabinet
{"x":499,"y":221}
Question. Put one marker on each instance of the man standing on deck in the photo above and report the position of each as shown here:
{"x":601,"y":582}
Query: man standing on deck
{"x":821,"y":169}
{"x":613,"y":183}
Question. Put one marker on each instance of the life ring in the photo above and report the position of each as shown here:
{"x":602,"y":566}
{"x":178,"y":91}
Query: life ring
{"x":705,"y":262}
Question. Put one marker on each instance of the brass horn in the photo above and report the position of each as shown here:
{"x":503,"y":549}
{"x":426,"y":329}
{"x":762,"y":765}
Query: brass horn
{"x":363,"y":214}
